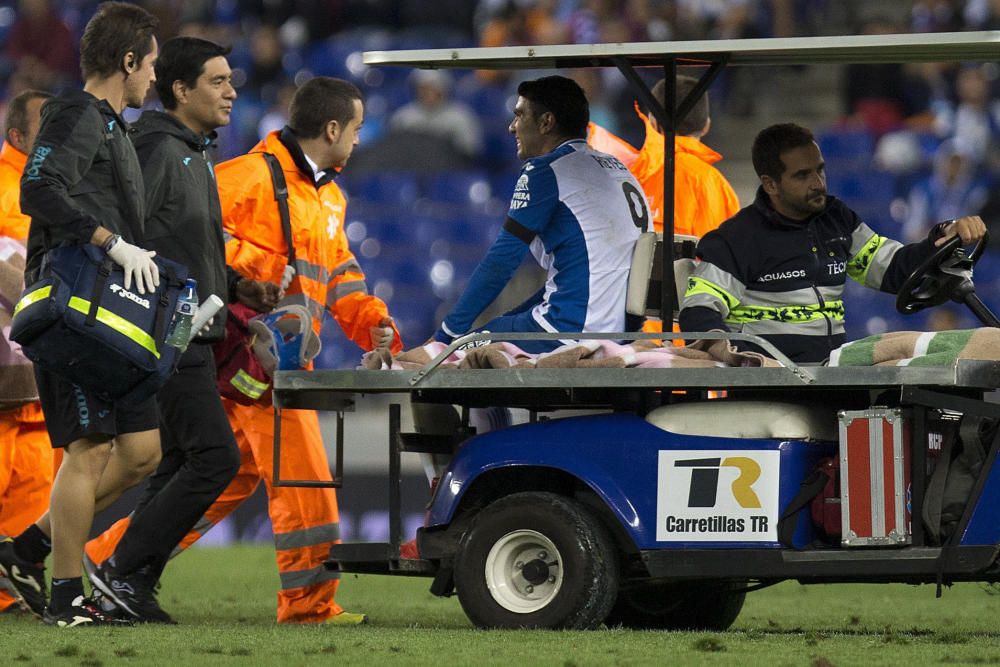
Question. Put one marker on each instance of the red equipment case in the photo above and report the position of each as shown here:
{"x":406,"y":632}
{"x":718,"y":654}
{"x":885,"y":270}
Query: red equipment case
{"x":875,"y":477}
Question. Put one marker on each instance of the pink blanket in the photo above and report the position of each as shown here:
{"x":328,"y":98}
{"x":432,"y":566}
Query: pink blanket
{"x":584,"y":354}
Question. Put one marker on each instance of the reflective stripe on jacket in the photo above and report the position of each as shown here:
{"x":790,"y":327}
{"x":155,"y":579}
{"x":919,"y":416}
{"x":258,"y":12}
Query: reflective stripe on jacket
{"x":764,"y":274}
{"x":328,"y":277}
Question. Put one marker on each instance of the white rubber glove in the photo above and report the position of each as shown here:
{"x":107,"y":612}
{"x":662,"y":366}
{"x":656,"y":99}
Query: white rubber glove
{"x":383,"y":334}
{"x":138,"y":265}
{"x":286,"y":277}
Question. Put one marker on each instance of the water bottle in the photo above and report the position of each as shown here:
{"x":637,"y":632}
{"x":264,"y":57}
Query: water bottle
{"x":187,"y":306}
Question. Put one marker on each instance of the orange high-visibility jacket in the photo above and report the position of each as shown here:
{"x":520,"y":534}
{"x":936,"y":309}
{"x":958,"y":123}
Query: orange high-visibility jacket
{"x":327,"y":276}
{"x":703,"y":198}
{"x":612,"y":144}
{"x":13,"y":223}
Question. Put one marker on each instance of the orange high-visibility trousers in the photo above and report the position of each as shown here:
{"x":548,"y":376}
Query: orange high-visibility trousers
{"x":305,"y":521}
{"x":27,"y":469}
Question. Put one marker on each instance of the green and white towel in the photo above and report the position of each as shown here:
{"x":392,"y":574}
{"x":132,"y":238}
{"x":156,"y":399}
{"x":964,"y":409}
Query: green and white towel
{"x":920,"y":348}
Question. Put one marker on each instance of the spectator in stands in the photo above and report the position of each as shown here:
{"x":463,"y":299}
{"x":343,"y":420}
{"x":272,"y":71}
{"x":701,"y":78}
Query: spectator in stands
{"x":276,"y":116}
{"x":982,"y":15}
{"x":267,"y":73}
{"x":511,"y":24}
{"x":880,"y":96}
{"x":975,"y":118}
{"x":936,"y":16}
{"x":433,"y":113}
{"x":42,"y":45}
{"x":956,"y":187}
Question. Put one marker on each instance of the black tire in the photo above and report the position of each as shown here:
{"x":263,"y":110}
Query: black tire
{"x":672,"y":606}
{"x":576,"y":585}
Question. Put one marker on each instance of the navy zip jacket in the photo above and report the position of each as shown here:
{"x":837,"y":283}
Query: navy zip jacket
{"x":782,"y":279}
{"x":185,"y":218}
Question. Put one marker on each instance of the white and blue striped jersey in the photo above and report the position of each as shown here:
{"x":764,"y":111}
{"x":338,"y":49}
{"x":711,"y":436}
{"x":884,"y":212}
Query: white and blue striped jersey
{"x":580,"y":212}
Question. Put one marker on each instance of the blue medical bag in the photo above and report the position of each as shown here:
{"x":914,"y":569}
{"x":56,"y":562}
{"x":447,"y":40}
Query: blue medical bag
{"x":80,"y":322}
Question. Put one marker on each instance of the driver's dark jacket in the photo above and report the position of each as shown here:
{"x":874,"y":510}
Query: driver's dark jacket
{"x":782,"y":279}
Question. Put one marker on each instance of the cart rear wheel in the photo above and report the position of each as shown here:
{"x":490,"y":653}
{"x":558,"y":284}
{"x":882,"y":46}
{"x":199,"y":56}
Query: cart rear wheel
{"x":536,"y":560}
{"x":689,"y":606}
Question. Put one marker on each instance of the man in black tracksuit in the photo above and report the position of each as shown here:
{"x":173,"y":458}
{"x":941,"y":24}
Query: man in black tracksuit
{"x":82,"y":184}
{"x":184,"y":223}
{"x":777,"y":268}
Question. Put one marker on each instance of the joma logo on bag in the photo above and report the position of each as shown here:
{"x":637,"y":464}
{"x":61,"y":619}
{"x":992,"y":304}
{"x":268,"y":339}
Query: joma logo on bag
{"x":125,"y":294}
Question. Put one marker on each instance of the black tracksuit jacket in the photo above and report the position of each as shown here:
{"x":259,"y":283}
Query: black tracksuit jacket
{"x":185,"y":218}
{"x":82,"y":172}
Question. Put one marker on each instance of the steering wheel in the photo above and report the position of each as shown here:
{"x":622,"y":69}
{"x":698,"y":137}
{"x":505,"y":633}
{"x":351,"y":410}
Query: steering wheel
{"x":946,"y":274}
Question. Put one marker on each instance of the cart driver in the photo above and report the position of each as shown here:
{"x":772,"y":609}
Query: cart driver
{"x":777,"y":268}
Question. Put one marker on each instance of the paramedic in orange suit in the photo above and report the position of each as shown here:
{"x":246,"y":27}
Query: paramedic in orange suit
{"x":27,"y":460}
{"x":325,"y":117}
{"x":703,"y":198}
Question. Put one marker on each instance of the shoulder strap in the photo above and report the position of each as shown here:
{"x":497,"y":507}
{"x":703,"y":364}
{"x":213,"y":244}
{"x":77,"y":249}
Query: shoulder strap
{"x":281,"y":196}
{"x":811,"y":487}
{"x":934,"y":491}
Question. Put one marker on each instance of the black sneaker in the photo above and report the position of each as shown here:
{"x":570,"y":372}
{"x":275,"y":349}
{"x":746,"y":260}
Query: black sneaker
{"x":83,"y":611}
{"x":27,"y":578}
{"x":133,"y":593}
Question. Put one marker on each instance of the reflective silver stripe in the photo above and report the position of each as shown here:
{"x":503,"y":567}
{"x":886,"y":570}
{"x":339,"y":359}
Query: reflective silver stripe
{"x":343,"y":289}
{"x":723,"y":279}
{"x":203,"y":526}
{"x":300,"y":578}
{"x":307,"y":537}
{"x":300,"y":299}
{"x":349,"y":265}
{"x":311,"y":271}
{"x":771,"y":327}
{"x":227,"y":237}
{"x":799,"y":297}
{"x":879,"y":263}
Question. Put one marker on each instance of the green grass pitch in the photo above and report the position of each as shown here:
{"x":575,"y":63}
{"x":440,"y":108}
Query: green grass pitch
{"x":224,"y":600}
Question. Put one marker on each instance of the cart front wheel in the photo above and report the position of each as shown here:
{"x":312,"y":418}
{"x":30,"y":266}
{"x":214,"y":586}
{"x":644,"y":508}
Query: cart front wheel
{"x":536,"y":560}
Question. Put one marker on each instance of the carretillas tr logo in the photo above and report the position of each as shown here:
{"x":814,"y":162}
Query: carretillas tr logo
{"x":717,"y":496}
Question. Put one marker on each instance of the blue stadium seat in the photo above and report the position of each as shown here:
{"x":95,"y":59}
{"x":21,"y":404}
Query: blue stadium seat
{"x":459,"y":187}
{"x":456,"y":225}
{"x":846,"y":144}
{"x":389,"y":187}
